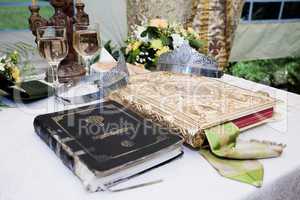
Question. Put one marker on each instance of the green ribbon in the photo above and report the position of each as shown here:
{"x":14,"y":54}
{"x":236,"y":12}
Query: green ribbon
{"x":250,"y":172}
{"x":238,"y":160}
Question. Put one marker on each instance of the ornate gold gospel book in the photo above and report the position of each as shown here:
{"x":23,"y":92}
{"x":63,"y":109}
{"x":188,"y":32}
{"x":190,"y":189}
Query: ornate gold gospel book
{"x":191,"y":104}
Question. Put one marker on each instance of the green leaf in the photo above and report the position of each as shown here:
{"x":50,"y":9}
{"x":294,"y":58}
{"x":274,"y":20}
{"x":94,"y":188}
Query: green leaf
{"x":144,"y":33}
{"x":132,"y":56}
{"x":197,"y":44}
{"x":95,"y":59}
{"x":108,"y":46}
{"x":167,"y":41}
{"x":112,"y":50}
{"x":153,"y":32}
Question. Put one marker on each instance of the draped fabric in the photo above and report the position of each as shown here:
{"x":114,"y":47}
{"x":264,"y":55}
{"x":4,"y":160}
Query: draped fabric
{"x":237,"y":159}
{"x":178,"y":11}
{"x":111,"y":16}
{"x":215,"y":20}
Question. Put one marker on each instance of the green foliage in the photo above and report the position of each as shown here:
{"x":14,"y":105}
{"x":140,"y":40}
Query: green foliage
{"x":14,"y":1}
{"x":113,"y":50}
{"x":166,"y":41}
{"x":280,"y":73}
{"x":151,"y":32}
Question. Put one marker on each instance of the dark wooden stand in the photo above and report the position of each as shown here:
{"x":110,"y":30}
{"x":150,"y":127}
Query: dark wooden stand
{"x":63,"y":16}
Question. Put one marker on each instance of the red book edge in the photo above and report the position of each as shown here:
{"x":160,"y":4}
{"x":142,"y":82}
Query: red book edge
{"x":253,"y":119}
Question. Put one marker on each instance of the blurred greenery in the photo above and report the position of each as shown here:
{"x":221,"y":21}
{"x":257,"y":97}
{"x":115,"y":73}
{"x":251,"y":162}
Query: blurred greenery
{"x":282,"y":73}
{"x":17,"y":17}
{"x":15,"y":1}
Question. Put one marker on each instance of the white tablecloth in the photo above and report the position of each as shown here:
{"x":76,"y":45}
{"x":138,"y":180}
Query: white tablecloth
{"x":30,"y":171}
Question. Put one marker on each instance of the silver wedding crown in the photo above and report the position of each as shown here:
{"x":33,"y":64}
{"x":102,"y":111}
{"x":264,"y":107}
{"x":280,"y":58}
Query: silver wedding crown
{"x":187,"y":60}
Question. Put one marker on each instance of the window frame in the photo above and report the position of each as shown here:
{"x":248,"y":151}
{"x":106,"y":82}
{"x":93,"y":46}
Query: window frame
{"x":249,"y":19}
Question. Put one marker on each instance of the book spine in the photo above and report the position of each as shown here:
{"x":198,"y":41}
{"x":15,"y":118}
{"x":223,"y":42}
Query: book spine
{"x":52,"y":140}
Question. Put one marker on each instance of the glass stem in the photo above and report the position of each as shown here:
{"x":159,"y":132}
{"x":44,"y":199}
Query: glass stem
{"x":55,"y":80}
{"x":88,"y":65}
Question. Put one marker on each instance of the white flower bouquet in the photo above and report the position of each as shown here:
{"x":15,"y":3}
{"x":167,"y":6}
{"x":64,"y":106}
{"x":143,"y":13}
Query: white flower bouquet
{"x":156,"y":37}
{"x":8,"y":67}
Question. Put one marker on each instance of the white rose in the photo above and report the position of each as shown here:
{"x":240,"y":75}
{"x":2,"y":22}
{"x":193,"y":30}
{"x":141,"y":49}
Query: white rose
{"x":178,"y":40}
{"x":2,"y":67}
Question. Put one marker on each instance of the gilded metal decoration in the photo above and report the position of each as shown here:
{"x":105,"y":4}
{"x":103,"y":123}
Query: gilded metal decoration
{"x":111,"y":133}
{"x":127,"y":143}
{"x":187,"y":60}
{"x":58,"y":118}
{"x":96,"y":120}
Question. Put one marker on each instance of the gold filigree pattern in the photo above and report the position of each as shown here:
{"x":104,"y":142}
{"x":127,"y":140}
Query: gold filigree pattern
{"x":189,"y":104}
{"x":216,"y":21}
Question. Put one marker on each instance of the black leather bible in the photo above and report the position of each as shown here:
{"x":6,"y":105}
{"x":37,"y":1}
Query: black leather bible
{"x":105,"y":144}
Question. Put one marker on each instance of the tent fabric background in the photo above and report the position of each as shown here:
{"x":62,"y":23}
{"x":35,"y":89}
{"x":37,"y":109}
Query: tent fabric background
{"x":264,"y":41}
{"x":111,"y":15}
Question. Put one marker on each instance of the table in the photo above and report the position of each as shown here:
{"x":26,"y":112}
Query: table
{"x":29,"y":170}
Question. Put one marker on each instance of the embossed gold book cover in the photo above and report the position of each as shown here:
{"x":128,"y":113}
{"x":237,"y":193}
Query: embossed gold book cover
{"x":192,"y":104}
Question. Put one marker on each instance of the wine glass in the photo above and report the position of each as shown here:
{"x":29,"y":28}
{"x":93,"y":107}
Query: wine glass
{"x":53,"y":46}
{"x":87,"y":43}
